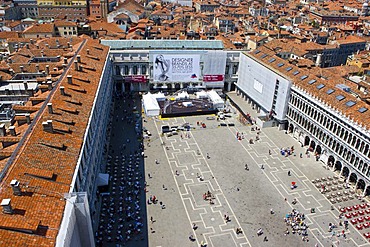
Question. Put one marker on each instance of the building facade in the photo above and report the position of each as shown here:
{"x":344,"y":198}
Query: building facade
{"x":134,"y":69}
{"x":322,"y":115}
{"x":70,"y":10}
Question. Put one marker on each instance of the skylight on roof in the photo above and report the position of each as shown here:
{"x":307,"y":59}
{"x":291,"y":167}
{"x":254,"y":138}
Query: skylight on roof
{"x":304,"y":77}
{"x":289,"y":69}
{"x":296,"y":72}
{"x":362,"y":109}
{"x":320,"y":86}
{"x":340,"y":97}
{"x":330,"y":91}
{"x":257,"y":51}
{"x":280,"y":64}
{"x":264,"y":55}
{"x":311,"y":81}
{"x":272,"y":60}
{"x":350,"y":103}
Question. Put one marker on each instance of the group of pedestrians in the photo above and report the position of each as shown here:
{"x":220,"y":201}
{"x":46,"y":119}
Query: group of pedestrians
{"x":121,"y":212}
{"x":296,"y":222}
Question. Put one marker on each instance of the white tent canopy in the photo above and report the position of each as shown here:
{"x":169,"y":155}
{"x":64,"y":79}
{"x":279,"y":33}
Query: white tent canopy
{"x":201,"y":95}
{"x":217,"y":101}
{"x":159,"y":96}
{"x":182,"y":95}
{"x":150,"y":105}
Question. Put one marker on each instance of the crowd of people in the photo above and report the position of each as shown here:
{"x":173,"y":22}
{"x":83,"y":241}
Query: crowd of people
{"x":121,"y":215}
{"x":296,"y":222}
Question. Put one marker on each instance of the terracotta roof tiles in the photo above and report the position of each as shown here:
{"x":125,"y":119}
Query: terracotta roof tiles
{"x":46,"y":165}
{"x":330,"y":82}
{"x":40,"y":28}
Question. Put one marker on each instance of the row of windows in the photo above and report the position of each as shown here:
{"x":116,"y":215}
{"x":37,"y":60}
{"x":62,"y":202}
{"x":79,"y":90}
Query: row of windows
{"x":70,"y":33}
{"x":60,"y":3}
{"x":337,"y":129}
{"x":68,"y":11}
{"x":126,"y":70}
{"x":330,"y":142}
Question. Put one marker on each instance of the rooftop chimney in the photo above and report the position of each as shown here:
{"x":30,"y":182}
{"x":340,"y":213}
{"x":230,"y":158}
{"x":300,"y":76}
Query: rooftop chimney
{"x":37,"y":68}
{"x":28,"y":118}
{"x":62,"y":92}
{"x":21,"y":68}
{"x":47,"y":69}
{"x":2,"y":130}
{"x":16,"y":188}
{"x":76,"y":65}
{"x":7,"y":208}
{"x":79,"y":58}
{"x":31,"y":41}
{"x":69,"y":78}
{"x":50,"y":108}
{"x":65,"y":60}
{"x":50,"y":85}
{"x":48,"y":126}
{"x":12,"y":130}
{"x":88,"y":51}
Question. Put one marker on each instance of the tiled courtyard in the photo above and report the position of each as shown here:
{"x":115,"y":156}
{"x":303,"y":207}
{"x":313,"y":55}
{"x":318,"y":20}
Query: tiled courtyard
{"x":184,"y":174}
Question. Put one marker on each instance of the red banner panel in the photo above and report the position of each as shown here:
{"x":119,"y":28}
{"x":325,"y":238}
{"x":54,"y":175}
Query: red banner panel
{"x":213,"y":78}
{"x":135,"y":78}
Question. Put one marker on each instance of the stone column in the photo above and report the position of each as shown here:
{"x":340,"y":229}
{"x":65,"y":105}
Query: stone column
{"x":364,"y":192}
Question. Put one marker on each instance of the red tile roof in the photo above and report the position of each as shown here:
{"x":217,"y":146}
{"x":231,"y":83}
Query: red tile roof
{"x":45,"y":170}
{"x":332,"y":79}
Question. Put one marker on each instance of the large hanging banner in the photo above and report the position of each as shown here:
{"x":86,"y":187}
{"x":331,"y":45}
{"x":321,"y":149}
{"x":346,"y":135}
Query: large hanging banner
{"x":176,"y":68}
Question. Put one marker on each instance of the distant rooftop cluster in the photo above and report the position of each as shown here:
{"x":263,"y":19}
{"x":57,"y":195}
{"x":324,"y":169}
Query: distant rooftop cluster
{"x":52,"y":59}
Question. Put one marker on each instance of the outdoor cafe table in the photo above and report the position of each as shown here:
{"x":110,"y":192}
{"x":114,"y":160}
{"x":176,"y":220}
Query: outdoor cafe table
{"x":359,"y":227}
{"x":349,"y":216}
